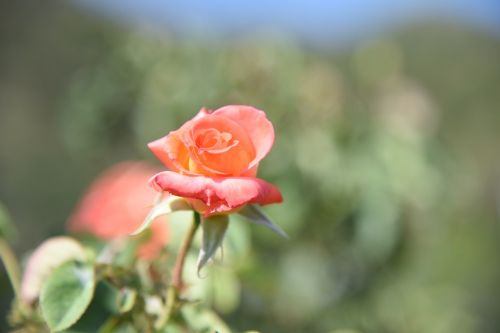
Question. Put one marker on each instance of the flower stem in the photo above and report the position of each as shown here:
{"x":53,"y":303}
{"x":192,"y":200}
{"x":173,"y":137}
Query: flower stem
{"x":177,"y":284}
{"x":181,"y":257}
{"x":11,"y":266}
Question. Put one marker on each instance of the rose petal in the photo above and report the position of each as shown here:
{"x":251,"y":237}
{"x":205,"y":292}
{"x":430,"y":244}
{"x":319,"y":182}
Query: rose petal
{"x":233,"y":162}
{"x":254,"y":122}
{"x":171,"y":152}
{"x":219,"y":194}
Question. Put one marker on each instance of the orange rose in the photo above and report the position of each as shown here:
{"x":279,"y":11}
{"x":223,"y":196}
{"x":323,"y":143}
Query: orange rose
{"x":214,"y":158}
{"x":116,"y":204}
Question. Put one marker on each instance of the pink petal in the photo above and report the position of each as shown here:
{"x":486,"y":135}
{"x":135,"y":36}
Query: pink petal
{"x":158,"y":148}
{"x":254,"y":122}
{"x":218,"y":194}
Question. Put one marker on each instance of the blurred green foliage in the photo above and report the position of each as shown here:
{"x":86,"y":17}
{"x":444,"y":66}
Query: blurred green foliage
{"x":386,"y":153}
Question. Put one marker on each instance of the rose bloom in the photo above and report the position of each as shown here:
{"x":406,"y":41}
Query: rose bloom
{"x":117,"y":203}
{"x":213,"y":160}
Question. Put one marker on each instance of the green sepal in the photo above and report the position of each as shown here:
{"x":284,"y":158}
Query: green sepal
{"x":214,"y":229}
{"x":163,"y":207}
{"x":255,"y":215}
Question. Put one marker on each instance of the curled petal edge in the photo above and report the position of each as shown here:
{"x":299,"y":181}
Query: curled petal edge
{"x":220,"y":195}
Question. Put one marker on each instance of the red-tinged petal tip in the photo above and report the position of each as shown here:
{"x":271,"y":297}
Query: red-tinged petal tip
{"x":157,"y":148}
{"x":220,"y":195}
{"x":255,"y":123}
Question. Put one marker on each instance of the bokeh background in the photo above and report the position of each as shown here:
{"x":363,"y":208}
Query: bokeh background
{"x":387,"y":116}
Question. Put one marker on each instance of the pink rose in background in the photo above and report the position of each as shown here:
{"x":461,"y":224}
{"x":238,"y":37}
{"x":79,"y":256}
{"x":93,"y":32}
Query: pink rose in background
{"x":116,"y":204}
{"x":213,"y":160}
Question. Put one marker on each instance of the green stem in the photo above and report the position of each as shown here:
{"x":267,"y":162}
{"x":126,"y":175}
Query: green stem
{"x":181,"y":257}
{"x":177,"y":284}
{"x":168,"y":309}
{"x":11,"y":266}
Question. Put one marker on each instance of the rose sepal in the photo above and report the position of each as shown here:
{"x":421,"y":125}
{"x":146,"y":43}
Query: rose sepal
{"x":254,"y":214}
{"x":213,"y":228}
{"x":163,"y":206}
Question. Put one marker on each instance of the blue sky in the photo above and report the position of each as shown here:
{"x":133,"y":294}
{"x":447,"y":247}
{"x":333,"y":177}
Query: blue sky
{"x":312,"y":21}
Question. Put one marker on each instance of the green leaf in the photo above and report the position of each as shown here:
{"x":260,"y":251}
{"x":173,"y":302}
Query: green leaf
{"x":255,"y":215}
{"x":169,"y":205}
{"x":49,"y":255}
{"x":214,"y":228}
{"x":201,"y":319}
{"x":100,"y":314}
{"x":66,"y":294}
